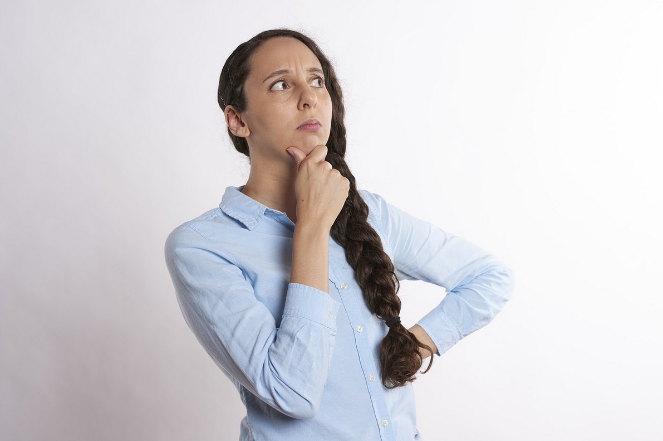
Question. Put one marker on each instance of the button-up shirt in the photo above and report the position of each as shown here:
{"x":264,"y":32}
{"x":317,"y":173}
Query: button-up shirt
{"x":306,"y":362}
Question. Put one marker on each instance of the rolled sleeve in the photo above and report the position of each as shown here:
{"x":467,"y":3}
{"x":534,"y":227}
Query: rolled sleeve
{"x":286,"y":367}
{"x":477,"y":283}
{"x":441,"y":329}
{"x":312,"y":304}
{"x":469,"y":306}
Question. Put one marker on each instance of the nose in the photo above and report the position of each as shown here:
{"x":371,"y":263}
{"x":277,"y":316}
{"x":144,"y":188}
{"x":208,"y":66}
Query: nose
{"x":308,"y":98}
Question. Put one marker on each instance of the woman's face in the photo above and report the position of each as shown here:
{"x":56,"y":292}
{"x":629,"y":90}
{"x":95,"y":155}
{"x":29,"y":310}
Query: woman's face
{"x":285,"y":88}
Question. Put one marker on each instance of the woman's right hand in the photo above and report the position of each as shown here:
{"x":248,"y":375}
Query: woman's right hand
{"x":320,"y":189}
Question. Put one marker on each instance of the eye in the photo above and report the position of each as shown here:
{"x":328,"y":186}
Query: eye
{"x":276,"y":86}
{"x":320,"y":82}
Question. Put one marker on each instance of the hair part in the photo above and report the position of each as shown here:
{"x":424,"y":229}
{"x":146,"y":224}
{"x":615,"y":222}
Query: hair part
{"x":400,"y":358}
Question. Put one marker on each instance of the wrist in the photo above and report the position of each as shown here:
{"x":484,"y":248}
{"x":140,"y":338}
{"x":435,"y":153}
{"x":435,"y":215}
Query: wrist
{"x":311,"y":228}
{"x":310,"y":256}
{"x":421,"y":335}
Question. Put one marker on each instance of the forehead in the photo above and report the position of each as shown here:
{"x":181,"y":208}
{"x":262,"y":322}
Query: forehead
{"x":281,"y":53}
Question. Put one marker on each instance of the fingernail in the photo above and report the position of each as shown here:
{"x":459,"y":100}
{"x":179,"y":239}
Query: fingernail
{"x":288,"y":150}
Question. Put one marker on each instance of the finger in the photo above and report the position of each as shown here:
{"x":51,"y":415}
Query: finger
{"x":296,"y":154}
{"x":327,"y":165}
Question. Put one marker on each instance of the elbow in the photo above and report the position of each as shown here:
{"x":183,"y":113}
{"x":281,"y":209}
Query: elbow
{"x":509,"y":282}
{"x":307,"y":411}
{"x":498,"y":281}
{"x":302,"y":409}
{"x":504,"y":284}
{"x":285,"y":400}
{"x":298,"y":398}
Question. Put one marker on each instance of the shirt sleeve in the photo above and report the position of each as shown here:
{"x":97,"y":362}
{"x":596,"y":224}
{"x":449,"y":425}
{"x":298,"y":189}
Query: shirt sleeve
{"x":286,"y":367}
{"x":477,"y":283}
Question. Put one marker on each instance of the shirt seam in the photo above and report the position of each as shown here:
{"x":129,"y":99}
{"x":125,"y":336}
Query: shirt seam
{"x":212,"y":241}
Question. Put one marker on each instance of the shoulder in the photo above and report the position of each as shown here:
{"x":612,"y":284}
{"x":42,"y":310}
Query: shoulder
{"x":378,"y":212}
{"x":204,"y":232}
{"x":378,"y":208}
{"x":373,"y":200}
{"x":391,"y":221}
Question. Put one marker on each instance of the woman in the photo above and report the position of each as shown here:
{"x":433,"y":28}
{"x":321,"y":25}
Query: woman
{"x":291,"y":284}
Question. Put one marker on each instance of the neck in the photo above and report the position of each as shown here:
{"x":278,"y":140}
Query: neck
{"x":273,"y":185}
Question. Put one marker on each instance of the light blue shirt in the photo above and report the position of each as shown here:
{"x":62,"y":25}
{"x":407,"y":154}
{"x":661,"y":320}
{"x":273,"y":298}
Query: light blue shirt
{"x":306,"y":362}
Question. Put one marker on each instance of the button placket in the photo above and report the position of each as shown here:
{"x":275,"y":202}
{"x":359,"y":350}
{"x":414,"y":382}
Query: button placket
{"x":353,"y":304}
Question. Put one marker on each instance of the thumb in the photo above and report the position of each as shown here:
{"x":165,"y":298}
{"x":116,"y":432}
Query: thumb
{"x":297,"y":154}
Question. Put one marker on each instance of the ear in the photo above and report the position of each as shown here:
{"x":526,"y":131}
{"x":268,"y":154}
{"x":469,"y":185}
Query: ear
{"x":235,"y":122}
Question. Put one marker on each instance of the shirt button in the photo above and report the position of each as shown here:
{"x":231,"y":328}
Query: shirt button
{"x":384,"y":422}
{"x":360,"y":328}
{"x":371,"y":377}
{"x":331,"y":316}
{"x":343,"y":286}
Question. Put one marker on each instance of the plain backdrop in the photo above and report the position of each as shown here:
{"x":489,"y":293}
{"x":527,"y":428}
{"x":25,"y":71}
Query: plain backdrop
{"x":531,"y":128}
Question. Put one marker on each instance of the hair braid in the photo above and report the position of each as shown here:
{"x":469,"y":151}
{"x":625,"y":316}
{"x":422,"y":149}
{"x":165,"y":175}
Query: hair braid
{"x":400,"y":358}
{"x":374,"y":271}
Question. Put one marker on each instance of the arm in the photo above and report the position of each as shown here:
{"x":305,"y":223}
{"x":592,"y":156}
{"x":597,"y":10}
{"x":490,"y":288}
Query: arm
{"x":286,"y":367}
{"x":310,"y":256}
{"x":320,"y":193}
{"x":477,"y":283}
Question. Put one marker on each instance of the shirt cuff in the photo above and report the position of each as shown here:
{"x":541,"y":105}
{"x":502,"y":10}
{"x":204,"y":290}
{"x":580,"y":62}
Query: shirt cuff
{"x":312,"y":304}
{"x":441,"y":329}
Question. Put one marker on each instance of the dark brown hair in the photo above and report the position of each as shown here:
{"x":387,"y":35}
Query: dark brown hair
{"x":374,"y":271}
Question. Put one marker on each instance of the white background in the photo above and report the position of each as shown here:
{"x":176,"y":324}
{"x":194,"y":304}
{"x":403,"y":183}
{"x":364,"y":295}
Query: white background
{"x":531,"y":128}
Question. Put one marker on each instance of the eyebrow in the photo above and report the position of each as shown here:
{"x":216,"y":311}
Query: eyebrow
{"x":286,"y":71}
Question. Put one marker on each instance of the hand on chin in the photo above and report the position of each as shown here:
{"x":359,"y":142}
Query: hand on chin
{"x":307,"y":144}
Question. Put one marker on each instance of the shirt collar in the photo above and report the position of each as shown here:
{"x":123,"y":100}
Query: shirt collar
{"x":241,"y":207}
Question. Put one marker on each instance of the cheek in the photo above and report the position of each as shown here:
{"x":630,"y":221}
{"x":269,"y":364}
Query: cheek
{"x":272,"y":120}
{"x":329,"y":106}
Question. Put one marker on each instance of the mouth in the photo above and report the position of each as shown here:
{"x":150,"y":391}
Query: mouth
{"x":310,"y":125}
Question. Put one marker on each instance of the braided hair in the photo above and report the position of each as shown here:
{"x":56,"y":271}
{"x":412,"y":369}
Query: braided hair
{"x":400,"y":358}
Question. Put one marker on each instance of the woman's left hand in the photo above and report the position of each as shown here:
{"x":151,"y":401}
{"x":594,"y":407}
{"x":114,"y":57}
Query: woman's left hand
{"x":423,"y":337}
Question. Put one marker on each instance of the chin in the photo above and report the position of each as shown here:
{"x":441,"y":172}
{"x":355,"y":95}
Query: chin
{"x":314,"y":139}
{"x":309,"y":142}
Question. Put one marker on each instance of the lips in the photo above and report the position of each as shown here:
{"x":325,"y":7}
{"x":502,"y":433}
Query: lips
{"x":310,"y":124}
